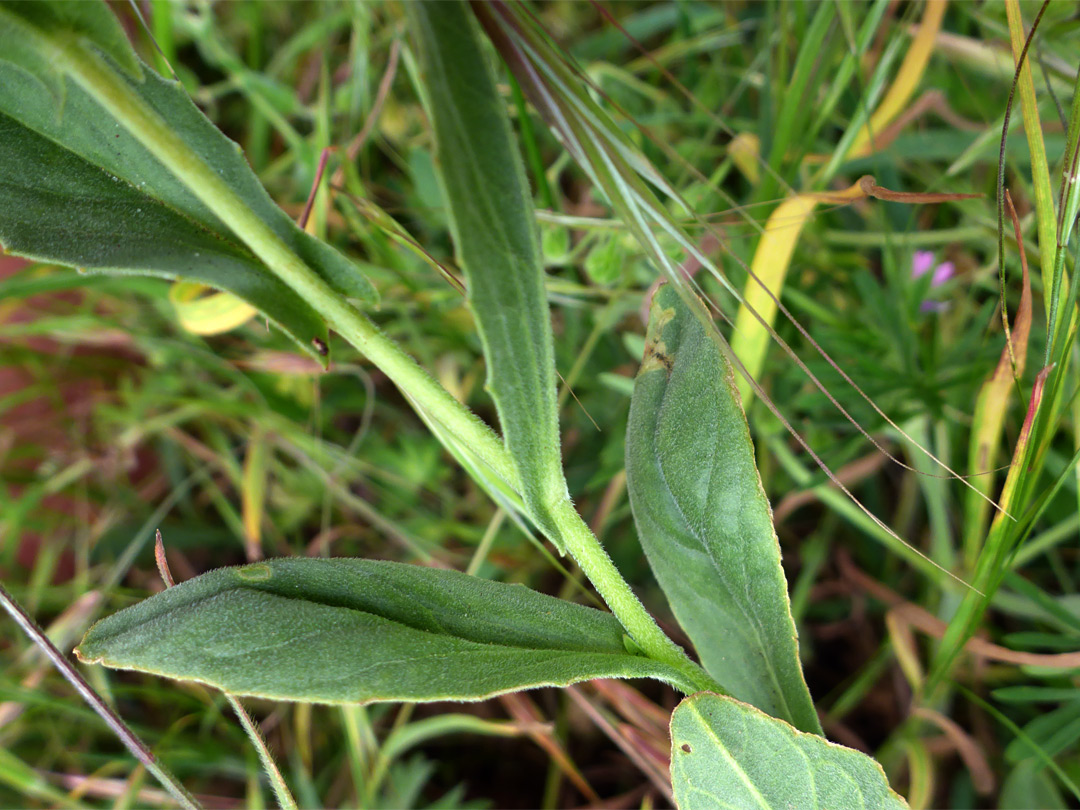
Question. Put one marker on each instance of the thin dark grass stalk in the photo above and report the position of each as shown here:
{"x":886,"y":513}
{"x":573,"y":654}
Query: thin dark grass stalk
{"x":323,"y":157}
{"x":396,"y":232}
{"x":153,"y":40}
{"x":1017,"y":370}
{"x":352,"y":151}
{"x":129,"y":738}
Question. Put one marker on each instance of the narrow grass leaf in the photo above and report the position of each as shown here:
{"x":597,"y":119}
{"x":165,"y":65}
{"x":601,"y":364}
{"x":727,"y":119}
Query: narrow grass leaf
{"x":1068,"y":206}
{"x":1040,"y":171}
{"x":1000,"y":542}
{"x":359,"y":631}
{"x":1022,"y":488}
{"x":16,"y":775}
{"x":704,"y":519}
{"x":990,"y":406}
{"x":907,"y":78}
{"x":727,"y":754}
{"x":495,"y":234}
{"x":792,"y":118}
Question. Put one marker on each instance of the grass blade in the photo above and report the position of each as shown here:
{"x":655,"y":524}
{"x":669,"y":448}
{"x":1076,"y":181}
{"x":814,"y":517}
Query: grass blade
{"x":907,"y":78}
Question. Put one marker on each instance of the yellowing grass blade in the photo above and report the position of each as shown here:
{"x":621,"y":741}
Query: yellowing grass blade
{"x":757,"y":313}
{"x":203,"y":311}
{"x":990,"y":407}
{"x":907,"y":79}
{"x":744,"y":151}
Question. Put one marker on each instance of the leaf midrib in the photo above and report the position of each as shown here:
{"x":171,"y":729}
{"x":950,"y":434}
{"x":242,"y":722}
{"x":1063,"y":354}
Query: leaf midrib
{"x":497,"y":645}
{"x":754,"y":620}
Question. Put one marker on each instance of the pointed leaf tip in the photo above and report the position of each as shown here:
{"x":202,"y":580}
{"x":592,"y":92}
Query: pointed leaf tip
{"x":358,"y":631}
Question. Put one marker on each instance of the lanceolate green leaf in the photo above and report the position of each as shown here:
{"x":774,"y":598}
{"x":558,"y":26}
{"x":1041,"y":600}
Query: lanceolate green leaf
{"x":494,"y":230}
{"x":344,"y":631}
{"x":78,"y":188}
{"x":704,"y":519}
{"x":725,"y":754}
{"x":57,"y":207}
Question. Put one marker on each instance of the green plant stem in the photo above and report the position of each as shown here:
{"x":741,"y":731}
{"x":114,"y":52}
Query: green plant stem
{"x":281,"y":790}
{"x":609,"y":583}
{"x":113,"y":93}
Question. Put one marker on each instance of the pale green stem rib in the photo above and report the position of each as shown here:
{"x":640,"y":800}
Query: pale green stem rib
{"x":114,"y":94}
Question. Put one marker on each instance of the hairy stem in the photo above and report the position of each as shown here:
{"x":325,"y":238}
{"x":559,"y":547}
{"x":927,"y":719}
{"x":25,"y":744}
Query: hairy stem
{"x":609,"y":583}
{"x":114,"y":94}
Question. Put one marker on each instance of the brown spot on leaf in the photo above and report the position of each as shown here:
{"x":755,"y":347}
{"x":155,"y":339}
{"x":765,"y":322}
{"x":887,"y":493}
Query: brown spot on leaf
{"x":656,"y":356}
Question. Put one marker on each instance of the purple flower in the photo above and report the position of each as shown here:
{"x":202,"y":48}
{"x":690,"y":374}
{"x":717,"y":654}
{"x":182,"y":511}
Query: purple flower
{"x":942,"y":273}
{"x":921,"y":264}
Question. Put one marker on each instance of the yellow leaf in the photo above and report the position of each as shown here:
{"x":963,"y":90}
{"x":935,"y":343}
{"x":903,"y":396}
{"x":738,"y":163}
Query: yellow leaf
{"x":770,"y":265}
{"x":743,"y":151}
{"x":203,"y":311}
